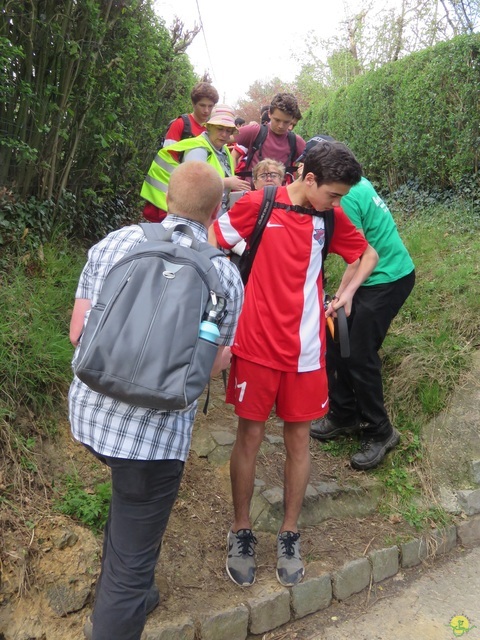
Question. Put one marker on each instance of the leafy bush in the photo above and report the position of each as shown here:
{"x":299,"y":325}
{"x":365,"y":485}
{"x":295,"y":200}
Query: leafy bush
{"x":90,"y":508}
{"x":25,"y":226}
{"x":417,"y":119}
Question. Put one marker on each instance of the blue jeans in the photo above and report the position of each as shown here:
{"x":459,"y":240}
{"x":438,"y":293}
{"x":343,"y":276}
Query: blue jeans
{"x":143,"y":495}
{"x":355,"y":386}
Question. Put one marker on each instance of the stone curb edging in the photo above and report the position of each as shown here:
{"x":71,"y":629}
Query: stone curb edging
{"x":263,"y":614}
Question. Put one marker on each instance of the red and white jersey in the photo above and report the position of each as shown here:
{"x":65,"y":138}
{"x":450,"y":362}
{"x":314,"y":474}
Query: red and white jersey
{"x":282,"y":323}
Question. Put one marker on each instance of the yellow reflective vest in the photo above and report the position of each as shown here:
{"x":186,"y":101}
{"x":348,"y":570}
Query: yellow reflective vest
{"x":154,"y":188}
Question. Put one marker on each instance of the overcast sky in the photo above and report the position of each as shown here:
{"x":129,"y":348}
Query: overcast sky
{"x":247,"y":40}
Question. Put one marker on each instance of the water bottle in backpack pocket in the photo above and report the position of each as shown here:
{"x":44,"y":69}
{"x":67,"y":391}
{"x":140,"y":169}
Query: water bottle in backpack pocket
{"x":141,"y":343}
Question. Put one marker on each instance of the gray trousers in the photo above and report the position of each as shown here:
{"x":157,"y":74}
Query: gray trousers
{"x":143,"y":495}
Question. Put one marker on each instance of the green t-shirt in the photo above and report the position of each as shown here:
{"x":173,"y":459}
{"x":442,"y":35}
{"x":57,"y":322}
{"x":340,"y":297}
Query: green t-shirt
{"x":370,"y":214}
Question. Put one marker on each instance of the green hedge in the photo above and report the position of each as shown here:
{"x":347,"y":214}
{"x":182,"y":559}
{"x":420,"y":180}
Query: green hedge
{"x":417,"y":119}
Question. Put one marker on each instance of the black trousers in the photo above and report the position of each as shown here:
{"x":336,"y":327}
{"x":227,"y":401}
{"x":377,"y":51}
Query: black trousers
{"x":143,"y":495}
{"x":355,"y":383}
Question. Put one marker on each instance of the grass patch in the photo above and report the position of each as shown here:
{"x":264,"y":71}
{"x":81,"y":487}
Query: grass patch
{"x":428,"y":348}
{"x":36,"y":299}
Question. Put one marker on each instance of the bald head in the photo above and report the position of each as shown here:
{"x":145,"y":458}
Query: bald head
{"x":194,"y":191}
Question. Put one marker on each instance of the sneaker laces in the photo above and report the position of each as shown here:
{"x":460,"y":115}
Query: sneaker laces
{"x":288,"y":543}
{"x":245,"y":542}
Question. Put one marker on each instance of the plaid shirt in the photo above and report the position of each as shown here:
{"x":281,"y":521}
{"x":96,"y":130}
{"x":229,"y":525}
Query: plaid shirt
{"x":117,"y":429}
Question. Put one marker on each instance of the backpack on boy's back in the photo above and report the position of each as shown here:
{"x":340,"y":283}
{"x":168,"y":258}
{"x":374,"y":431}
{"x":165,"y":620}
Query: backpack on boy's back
{"x":186,"y":131}
{"x":143,"y":343}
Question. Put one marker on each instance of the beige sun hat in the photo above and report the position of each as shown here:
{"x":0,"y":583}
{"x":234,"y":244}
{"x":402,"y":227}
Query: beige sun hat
{"x":223,"y":116}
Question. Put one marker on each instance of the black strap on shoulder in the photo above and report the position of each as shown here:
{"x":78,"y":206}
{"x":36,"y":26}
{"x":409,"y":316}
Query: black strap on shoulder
{"x":329,"y":217}
{"x":246,"y":260}
{"x":292,"y":140}
{"x":256,"y":146}
{"x":268,"y":203}
{"x":187,"y":127}
{"x":186,"y":131}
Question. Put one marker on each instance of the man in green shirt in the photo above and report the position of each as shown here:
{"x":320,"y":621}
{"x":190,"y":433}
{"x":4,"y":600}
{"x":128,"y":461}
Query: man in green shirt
{"x":355,"y":383}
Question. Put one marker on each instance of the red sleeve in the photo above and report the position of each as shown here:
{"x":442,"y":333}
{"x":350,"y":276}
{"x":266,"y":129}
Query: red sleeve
{"x":175,"y":130}
{"x":346,"y":241}
{"x":238,"y":223}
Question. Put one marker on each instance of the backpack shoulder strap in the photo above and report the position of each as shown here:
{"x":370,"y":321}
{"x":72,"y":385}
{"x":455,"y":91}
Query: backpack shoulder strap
{"x":156,"y":231}
{"x":210,"y":251}
{"x":292,"y":141}
{"x":246,"y":260}
{"x":257,"y":145}
{"x":329,"y":217}
{"x":187,"y":126}
{"x":153,"y":230}
{"x":269,"y":193}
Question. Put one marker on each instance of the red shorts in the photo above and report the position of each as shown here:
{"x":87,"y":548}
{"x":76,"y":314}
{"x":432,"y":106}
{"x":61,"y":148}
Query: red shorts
{"x":254,"y":389}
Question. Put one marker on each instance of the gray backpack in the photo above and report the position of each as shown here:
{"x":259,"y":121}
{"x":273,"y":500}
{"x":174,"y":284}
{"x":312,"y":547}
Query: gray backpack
{"x":141,"y":344}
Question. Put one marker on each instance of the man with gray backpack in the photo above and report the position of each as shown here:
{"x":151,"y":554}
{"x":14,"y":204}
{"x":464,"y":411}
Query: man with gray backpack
{"x":135,"y":412}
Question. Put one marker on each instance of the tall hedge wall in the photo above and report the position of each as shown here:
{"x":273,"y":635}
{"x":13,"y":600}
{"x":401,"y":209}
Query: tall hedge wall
{"x":414,"y":119}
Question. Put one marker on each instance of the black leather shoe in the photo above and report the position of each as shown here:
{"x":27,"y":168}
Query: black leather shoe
{"x":152,"y":601}
{"x":325,"y":429}
{"x":372,"y":452}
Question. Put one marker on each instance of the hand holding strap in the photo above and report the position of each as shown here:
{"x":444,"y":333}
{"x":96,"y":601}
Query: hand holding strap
{"x":339,"y":327}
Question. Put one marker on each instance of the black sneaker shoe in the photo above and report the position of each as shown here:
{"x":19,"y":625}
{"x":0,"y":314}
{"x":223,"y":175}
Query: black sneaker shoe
{"x":290,"y":569}
{"x":325,"y":429}
{"x":372,"y":452}
{"x":241,"y":566}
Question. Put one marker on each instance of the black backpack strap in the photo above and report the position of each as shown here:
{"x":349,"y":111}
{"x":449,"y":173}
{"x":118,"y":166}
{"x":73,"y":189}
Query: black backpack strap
{"x":292,"y":141}
{"x":329,"y":217}
{"x":187,"y":127}
{"x":256,"y":146}
{"x":246,"y":260}
{"x":269,"y":193}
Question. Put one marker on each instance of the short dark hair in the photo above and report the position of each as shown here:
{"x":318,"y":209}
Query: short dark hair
{"x":239,"y":121}
{"x":286,"y":102}
{"x":204,"y":90}
{"x":332,"y":162}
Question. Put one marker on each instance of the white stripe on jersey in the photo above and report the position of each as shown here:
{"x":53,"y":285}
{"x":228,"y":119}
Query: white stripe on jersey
{"x":310,"y":344}
{"x":227,"y":230}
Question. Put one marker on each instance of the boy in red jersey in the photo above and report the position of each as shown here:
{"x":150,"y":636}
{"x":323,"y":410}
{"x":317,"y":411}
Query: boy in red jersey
{"x":279,"y":347}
